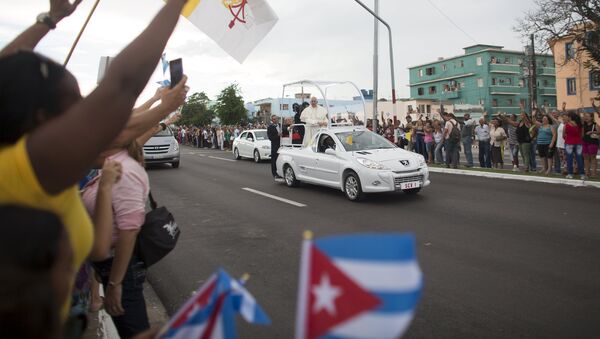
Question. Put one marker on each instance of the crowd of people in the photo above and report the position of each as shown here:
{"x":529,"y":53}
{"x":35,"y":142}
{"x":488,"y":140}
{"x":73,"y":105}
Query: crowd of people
{"x":564,"y":142}
{"x":215,"y":137}
{"x":65,"y":230}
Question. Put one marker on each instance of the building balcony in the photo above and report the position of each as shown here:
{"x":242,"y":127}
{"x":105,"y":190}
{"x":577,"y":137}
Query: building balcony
{"x":505,"y":68}
{"x":551,"y":92}
{"x":507,"y":90}
{"x":447,"y":95}
{"x":549,"y":71}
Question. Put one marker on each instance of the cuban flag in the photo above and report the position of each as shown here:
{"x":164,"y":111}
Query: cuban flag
{"x":210,"y":313}
{"x":358,"y":286}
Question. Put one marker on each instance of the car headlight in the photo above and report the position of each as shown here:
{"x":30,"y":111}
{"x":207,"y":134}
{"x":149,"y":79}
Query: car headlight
{"x":175,"y":146}
{"x":371,"y":164}
{"x":422,"y":162}
{"x":266,"y":147}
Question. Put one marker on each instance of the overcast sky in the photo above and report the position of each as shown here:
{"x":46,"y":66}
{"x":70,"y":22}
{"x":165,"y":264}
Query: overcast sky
{"x":314,"y":39}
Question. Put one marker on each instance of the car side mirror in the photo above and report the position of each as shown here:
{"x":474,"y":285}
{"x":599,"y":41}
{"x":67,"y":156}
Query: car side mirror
{"x":330,"y":151}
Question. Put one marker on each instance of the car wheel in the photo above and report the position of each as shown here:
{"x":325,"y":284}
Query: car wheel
{"x":256,"y":156}
{"x":412,"y":191}
{"x":236,"y":154}
{"x":175,"y":164}
{"x":290,"y":176}
{"x":352,"y":187}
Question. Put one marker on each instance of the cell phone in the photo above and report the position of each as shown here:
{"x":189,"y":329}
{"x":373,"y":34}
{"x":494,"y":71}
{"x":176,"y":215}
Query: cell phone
{"x":176,"y":69}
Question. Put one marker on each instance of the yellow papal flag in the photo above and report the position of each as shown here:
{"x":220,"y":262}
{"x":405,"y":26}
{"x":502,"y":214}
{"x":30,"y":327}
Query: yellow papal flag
{"x":235,"y":25}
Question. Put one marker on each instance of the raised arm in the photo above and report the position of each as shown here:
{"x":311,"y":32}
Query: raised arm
{"x":157,"y":128}
{"x":148,"y":104}
{"x":59,"y":9}
{"x":96,"y":120}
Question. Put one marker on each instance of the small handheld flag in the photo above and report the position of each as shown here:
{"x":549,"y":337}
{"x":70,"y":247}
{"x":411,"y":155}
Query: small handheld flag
{"x":357,"y":286}
{"x":210,"y":312}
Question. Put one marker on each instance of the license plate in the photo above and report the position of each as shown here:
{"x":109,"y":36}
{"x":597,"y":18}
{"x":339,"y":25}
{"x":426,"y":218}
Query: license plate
{"x":410,"y":185}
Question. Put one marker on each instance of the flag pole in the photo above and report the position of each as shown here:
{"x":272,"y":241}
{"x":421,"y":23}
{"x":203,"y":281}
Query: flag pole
{"x":303,"y":287}
{"x":80,"y":33}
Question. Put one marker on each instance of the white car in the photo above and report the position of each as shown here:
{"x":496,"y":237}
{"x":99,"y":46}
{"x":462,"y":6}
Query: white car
{"x":253,"y":144}
{"x":354,"y":160}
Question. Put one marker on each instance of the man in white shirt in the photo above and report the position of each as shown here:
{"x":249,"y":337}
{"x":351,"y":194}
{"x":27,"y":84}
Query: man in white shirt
{"x":314,"y":116}
{"x":482,"y":135}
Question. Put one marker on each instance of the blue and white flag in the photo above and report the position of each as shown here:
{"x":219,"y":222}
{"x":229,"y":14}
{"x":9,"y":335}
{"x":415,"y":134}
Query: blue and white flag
{"x":358,"y":286}
{"x":210,"y":313}
{"x":165,"y":63}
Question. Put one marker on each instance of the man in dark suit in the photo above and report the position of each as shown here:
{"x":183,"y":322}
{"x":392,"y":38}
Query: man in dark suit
{"x":274,"y":134}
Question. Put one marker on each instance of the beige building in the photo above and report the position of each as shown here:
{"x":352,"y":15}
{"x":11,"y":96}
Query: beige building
{"x":575,"y":84}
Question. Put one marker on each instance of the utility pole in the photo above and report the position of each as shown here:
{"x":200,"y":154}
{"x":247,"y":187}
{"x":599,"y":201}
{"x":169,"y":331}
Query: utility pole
{"x":375,"y":66}
{"x":532,"y":77}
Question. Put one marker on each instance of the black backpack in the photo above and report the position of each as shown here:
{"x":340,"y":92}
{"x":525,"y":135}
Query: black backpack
{"x":158,"y":235}
{"x":454,"y":133}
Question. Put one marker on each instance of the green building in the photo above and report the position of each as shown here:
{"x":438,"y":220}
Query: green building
{"x":486,"y":78}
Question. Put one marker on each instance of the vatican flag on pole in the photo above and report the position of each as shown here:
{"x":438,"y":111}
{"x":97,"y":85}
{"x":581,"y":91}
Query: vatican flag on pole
{"x":235,"y":25}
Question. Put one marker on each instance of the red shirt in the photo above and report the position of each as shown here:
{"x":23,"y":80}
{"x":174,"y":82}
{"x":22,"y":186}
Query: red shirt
{"x":573,"y":135}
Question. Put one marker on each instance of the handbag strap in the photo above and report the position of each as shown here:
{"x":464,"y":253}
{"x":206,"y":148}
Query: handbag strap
{"x":153,"y":204}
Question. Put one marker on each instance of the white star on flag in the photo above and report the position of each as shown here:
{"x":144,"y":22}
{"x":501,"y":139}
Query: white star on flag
{"x":325,"y":295}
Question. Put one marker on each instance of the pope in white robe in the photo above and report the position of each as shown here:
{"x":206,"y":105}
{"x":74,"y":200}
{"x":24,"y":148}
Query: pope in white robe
{"x":314,"y":116}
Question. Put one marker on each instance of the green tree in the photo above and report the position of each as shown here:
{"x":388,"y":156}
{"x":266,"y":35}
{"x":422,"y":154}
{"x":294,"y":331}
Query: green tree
{"x":195,"y":111}
{"x":230,"y":106}
{"x":554,"y":19}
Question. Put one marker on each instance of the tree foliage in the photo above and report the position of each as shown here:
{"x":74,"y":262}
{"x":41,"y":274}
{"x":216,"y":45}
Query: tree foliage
{"x":553,"y":19}
{"x":230,"y":106}
{"x":195,"y":111}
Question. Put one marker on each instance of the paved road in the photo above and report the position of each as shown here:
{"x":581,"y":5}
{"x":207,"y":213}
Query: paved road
{"x":501,"y":259}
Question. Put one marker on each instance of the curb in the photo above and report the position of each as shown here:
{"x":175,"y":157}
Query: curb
{"x":558,"y":181}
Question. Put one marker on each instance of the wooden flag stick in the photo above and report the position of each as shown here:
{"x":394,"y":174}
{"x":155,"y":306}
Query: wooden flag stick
{"x":80,"y":33}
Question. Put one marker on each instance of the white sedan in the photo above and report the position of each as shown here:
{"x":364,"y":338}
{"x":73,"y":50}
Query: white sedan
{"x":354,"y":160}
{"x":253,"y":144}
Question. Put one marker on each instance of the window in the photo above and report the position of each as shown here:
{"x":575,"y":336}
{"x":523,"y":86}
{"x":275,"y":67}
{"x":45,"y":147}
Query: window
{"x":479,"y":82}
{"x":481,"y":102}
{"x":569,"y":51}
{"x":510,"y":102}
{"x":594,"y":81}
{"x":432,"y":90}
{"x":494,"y":82}
{"x":444,"y":67}
{"x":420,"y":73}
{"x":284,"y":107}
{"x":571,"y":86}
{"x":523,"y":102}
{"x":479,"y":61}
{"x":461,"y":63}
{"x":507,"y":60}
{"x":494,"y":102}
{"x":420,"y":91}
{"x":521,"y":83}
{"x":545,"y":103}
{"x":545,"y":83}
{"x":509,"y":81}
{"x":430,"y":70}
{"x":243,"y":136}
{"x":428,"y":109}
{"x":250,"y":137}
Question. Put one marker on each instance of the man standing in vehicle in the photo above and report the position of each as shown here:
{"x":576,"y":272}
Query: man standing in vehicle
{"x":314,"y":116}
{"x":274,"y":134}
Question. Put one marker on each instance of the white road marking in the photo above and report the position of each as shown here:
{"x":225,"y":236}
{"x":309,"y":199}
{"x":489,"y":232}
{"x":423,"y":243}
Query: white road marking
{"x":274,"y":197}
{"x":224,"y":159}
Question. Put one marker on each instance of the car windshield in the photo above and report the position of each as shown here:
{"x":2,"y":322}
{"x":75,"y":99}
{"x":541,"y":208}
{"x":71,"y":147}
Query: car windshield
{"x":260,"y":135}
{"x":363,"y":140}
{"x":166,"y":133}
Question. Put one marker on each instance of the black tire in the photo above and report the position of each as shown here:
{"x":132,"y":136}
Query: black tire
{"x":236,"y":154}
{"x":175,"y":164}
{"x":256,"y":156}
{"x":289,"y":176}
{"x":353,"y":187}
{"x":412,"y":191}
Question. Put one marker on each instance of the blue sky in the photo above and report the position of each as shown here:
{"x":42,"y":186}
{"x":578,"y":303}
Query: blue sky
{"x":314,"y":39}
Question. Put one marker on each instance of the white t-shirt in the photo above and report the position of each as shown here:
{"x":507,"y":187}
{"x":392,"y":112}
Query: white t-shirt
{"x":560,"y":141}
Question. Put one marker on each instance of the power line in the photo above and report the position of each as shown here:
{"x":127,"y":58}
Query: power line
{"x":451,"y":21}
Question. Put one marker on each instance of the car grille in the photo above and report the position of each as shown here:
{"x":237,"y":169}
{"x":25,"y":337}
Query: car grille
{"x":398,"y":181}
{"x":156,"y":149}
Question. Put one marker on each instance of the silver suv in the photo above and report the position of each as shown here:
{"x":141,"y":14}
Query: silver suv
{"x":162,"y":148}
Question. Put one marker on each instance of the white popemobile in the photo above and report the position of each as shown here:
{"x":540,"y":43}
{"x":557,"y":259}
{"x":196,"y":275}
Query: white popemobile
{"x":348,"y":156}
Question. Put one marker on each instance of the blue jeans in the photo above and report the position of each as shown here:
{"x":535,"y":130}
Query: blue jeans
{"x":420,"y":145}
{"x":429,"y":146}
{"x":484,"y":154}
{"x":439,"y":156}
{"x":135,"y":318}
{"x":467,"y":143}
{"x":578,"y":150}
{"x":533,"y":148}
{"x":514,"y":152}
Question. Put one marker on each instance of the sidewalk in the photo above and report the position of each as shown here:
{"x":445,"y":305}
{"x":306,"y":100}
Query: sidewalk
{"x":157,"y":316}
{"x":508,"y":175}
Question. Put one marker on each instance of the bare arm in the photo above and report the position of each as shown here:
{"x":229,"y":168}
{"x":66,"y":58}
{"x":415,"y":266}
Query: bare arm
{"x":59,"y":9}
{"x":148,"y":104}
{"x":553,"y":141}
{"x":105,"y":111}
{"x":144,"y":137}
{"x":103,"y":216}
{"x":123,"y":252}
